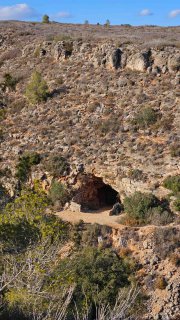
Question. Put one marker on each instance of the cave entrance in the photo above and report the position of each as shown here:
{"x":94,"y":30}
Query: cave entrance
{"x":93,"y":194}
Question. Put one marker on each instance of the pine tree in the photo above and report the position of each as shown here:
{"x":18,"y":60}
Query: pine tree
{"x":37,"y":89}
{"x":45,"y":19}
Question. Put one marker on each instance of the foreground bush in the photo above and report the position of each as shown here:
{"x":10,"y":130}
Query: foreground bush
{"x":24,"y":222}
{"x":98,"y":275}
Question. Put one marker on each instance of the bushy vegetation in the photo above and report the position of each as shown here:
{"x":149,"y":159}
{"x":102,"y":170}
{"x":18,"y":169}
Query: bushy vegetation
{"x":37,"y":282}
{"x":172,"y":183}
{"x":24,"y":165}
{"x":177,"y":204}
{"x":175,"y":150}
{"x":9,"y":82}
{"x":45,"y":19}
{"x":37,"y":89}
{"x":24,"y":221}
{"x":98,"y":275}
{"x":58,"y":193}
{"x":143,"y":208}
{"x":166,"y":241}
{"x":145,"y":117}
{"x":57,"y":165}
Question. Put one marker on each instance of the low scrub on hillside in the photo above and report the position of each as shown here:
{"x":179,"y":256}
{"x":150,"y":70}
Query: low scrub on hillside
{"x":144,"y":208}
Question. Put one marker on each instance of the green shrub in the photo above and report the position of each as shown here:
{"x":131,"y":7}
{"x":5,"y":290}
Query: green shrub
{"x":143,"y":208}
{"x":90,"y":236}
{"x":98,"y":275}
{"x":45,"y":19}
{"x":107,"y":23}
{"x":23,"y":168}
{"x":172,"y":183}
{"x":57,"y":165}
{"x":58,"y":192}
{"x":19,"y":235}
{"x":177,"y":204}
{"x":3,"y":113}
{"x":145,"y":117}
{"x":9,"y":82}
{"x":24,"y":221}
{"x":138,"y":205}
{"x":37,"y":89}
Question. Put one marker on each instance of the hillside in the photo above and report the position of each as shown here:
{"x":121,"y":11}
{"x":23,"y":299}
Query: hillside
{"x":108,"y":131}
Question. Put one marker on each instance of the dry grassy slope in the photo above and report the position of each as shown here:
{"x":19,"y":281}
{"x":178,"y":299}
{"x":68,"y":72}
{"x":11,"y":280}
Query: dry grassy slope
{"x":88,"y":117}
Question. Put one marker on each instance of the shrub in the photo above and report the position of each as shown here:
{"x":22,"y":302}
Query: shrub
{"x":107,"y":23}
{"x":172,"y":183}
{"x":138,"y":205}
{"x":166,"y":241}
{"x":23,"y":168}
{"x":98,"y":275}
{"x":175,"y":150}
{"x":160,"y":283}
{"x":9,"y":82}
{"x":58,"y":192}
{"x":158,"y":216}
{"x":145,"y":117}
{"x":45,"y":19}
{"x":136,"y":174}
{"x":177,"y":204}
{"x":143,"y":208}
{"x":17,"y":236}
{"x":37,"y":89}
{"x":24,"y":221}
{"x":90,"y":236}
{"x":57,"y":165}
{"x":175,"y":259}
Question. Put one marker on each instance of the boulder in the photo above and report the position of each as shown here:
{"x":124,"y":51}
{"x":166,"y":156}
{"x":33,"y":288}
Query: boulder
{"x":174,"y":63}
{"x":139,"y":61}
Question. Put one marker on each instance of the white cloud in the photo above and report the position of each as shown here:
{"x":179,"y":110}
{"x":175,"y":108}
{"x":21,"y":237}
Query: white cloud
{"x":61,"y":15}
{"x":174,"y":13}
{"x":17,"y":12}
{"x":145,"y":12}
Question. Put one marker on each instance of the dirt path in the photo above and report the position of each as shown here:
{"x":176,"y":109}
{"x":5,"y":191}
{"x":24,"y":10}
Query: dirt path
{"x":101,"y":217}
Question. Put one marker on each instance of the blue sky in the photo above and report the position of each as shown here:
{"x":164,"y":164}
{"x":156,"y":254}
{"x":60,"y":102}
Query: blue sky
{"x":135,"y":12}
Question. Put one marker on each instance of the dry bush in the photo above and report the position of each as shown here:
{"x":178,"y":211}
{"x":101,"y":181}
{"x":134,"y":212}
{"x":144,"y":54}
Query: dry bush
{"x":160,"y":283}
{"x":9,"y":55}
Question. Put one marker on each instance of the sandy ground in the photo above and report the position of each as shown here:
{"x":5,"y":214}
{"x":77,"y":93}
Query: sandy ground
{"x":101,"y":217}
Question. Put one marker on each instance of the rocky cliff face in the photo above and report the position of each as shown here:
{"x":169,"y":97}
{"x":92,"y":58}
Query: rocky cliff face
{"x":106,"y":54}
{"x":97,"y":90}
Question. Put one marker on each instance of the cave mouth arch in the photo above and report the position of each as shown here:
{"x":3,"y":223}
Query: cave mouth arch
{"x":93,"y":194}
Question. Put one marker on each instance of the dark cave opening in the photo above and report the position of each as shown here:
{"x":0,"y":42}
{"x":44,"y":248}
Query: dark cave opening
{"x":107,"y":195}
{"x":94,"y":194}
